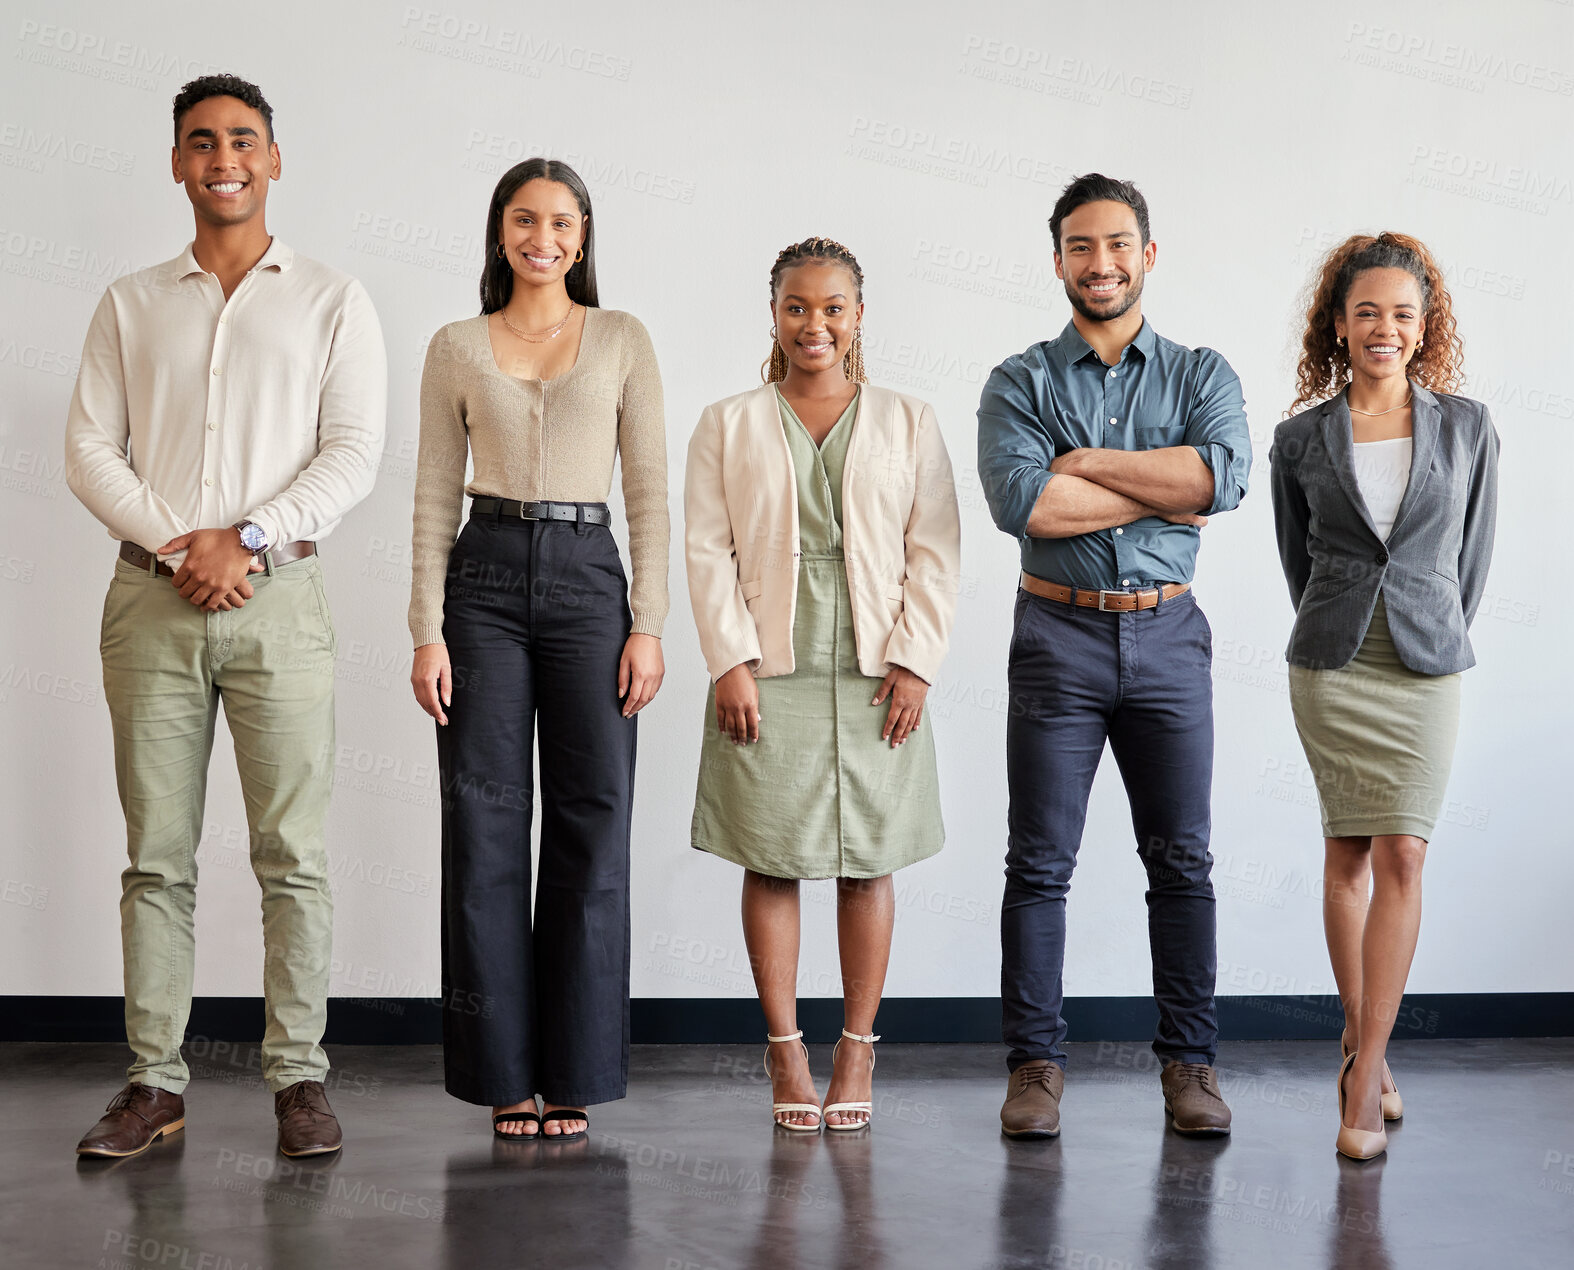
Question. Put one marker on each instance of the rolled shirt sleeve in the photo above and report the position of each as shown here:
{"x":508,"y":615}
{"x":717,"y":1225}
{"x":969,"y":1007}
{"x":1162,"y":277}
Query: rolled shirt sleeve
{"x":1014,"y":451}
{"x":1217,"y":429}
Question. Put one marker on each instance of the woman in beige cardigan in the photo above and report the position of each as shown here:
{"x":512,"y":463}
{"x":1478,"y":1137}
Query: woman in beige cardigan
{"x":528,"y":637}
{"x":823,"y":554}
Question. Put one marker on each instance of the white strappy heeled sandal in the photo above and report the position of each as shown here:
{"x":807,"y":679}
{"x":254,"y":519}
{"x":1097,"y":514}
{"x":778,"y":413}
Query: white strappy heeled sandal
{"x":777,"y":1108}
{"x":845,"y":1107}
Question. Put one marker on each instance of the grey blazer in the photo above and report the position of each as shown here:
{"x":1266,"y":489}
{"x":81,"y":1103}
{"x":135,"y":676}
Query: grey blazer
{"x":1433,"y":567}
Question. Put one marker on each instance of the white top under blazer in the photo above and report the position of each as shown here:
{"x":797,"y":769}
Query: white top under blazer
{"x":1382,"y":470}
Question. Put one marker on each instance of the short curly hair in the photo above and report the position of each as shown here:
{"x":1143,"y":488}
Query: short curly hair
{"x":200,"y":89}
{"x":1324,"y":368}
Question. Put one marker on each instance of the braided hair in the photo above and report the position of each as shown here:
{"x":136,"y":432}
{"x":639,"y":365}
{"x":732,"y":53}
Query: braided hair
{"x":774,"y":369}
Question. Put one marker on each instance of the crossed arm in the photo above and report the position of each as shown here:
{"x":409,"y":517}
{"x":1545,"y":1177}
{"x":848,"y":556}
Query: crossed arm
{"x":1097,"y":489}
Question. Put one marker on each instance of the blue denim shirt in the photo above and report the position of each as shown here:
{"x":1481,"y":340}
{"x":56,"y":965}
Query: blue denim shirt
{"x":1059,"y":396}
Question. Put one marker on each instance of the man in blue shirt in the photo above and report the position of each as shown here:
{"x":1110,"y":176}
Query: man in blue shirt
{"x":1104,"y":451}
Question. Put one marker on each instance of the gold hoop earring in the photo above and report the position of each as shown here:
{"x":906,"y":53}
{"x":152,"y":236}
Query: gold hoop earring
{"x":579,"y":257}
{"x":501,"y":255}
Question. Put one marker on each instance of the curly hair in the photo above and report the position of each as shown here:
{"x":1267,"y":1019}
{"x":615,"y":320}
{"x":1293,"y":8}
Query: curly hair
{"x":207,"y":86}
{"x":1324,"y":368}
{"x":774,"y":369}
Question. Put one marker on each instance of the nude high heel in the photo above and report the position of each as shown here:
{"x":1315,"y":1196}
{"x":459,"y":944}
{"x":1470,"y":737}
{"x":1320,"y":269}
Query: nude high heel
{"x":844,"y":1107}
{"x":778,"y":1107}
{"x":1358,"y":1144}
{"x":1393,"y":1104}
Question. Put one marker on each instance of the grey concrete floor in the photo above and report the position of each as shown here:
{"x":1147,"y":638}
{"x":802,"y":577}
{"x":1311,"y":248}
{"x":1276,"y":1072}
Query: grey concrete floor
{"x":688,"y":1174}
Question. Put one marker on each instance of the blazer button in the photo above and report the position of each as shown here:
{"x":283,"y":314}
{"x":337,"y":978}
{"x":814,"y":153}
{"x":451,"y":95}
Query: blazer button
{"x":1382,"y":557}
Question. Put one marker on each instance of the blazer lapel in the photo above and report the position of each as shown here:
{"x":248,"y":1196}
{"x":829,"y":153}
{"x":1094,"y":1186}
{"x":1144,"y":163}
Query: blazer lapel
{"x":870,"y":428}
{"x":767,"y":442}
{"x":1340,"y":446}
{"x":1425,"y":425}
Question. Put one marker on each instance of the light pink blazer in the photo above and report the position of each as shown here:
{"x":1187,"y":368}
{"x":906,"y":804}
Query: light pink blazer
{"x":901,"y":534}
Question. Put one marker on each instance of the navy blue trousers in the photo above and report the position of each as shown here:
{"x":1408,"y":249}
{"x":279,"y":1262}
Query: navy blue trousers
{"x":1143,"y":682}
{"x":535,"y":616}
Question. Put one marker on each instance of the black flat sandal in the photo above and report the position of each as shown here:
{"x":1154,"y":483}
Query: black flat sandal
{"x":516,"y":1117}
{"x":564,"y":1113}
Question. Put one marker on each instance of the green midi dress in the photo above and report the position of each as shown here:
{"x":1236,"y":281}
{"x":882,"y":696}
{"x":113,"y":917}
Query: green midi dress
{"x":820,"y":794}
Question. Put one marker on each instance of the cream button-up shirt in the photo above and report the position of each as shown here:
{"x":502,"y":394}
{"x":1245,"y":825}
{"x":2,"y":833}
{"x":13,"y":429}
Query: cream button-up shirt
{"x":193,"y":412}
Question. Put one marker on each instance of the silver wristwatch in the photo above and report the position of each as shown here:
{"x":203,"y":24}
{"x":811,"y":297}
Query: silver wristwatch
{"x":253,"y":537}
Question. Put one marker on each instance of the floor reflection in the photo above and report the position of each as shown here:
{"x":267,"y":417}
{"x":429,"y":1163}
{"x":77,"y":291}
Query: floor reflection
{"x":537,"y":1202}
{"x":1186,"y":1187}
{"x":1357,"y":1239}
{"x":1027,"y":1216}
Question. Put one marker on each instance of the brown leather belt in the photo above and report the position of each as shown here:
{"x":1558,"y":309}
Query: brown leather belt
{"x":1104,"y":601}
{"x":286,"y":554}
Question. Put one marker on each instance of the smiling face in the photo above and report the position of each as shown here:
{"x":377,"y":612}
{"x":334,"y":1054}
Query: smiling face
{"x":1103,"y":260}
{"x":542,"y":231}
{"x":817,"y":312}
{"x":1382,"y":323}
{"x":225,"y":160}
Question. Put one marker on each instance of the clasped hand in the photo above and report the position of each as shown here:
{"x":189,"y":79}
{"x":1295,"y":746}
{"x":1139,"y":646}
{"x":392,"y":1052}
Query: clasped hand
{"x":213,"y":574}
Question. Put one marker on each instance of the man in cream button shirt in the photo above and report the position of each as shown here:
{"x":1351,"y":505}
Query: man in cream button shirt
{"x":218,"y":593}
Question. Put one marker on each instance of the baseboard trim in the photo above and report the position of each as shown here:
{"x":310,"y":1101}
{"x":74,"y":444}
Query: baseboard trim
{"x":713,"y":1021}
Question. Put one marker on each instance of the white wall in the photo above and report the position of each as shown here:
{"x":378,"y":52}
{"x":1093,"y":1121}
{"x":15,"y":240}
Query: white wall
{"x":932,"y":139}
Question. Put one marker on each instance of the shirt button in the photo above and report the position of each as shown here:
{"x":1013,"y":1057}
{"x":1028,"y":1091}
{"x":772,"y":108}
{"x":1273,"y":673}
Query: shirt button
{"x":216,"y":372}
{"x":213,"y":427}
{"x":223,"y":317}
{"x":208,"y":481}
{"x":219,"y":370}
{"x":1123,"y":581}
{"x":1112,"y":374}
{"x":1120,"y":531}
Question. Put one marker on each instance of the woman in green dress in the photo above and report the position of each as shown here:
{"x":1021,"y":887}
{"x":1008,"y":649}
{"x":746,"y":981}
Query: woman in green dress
{"x":823,"y":549}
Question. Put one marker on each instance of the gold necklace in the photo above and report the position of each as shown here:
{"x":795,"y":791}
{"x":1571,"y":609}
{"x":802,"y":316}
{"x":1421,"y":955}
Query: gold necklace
{"x":539,"y":337}
{"x":1370,"y":414}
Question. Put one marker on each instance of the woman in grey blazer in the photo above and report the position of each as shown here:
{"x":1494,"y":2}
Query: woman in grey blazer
{"x":1385,"y":499}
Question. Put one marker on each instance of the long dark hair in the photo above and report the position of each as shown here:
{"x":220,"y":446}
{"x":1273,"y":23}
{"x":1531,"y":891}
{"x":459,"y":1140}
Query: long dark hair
{"x":497,"y":276}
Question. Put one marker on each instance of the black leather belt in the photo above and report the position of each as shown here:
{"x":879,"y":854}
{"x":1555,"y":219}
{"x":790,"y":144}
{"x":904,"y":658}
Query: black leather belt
{"x":286,"y":554}
{"x":513,"y":509}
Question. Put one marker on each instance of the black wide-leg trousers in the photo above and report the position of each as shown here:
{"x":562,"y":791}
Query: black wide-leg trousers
{"x":535,"y":618}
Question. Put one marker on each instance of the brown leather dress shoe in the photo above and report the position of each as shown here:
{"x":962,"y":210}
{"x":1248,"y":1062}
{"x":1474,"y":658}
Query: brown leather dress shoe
{"x":307,"y":1125}
{"x":137,"y":1117}
{"x":1192,"y":1097}
{"x":1032,"y":1106}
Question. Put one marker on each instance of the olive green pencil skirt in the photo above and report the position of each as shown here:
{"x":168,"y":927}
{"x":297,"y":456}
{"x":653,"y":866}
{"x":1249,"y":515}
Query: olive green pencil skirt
{"x":1379,"y":738}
